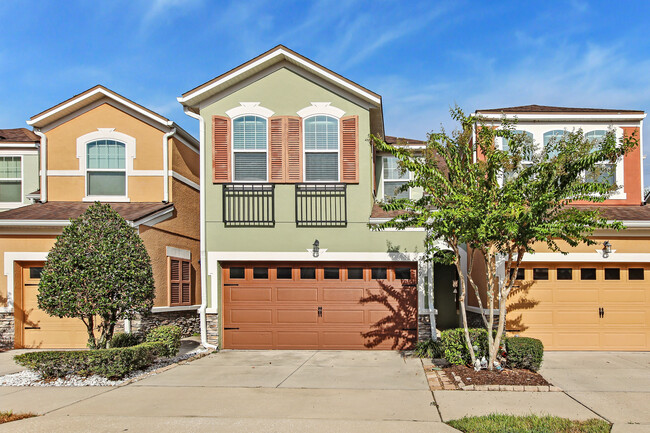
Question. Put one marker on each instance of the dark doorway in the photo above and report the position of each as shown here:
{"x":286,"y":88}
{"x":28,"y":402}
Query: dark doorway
{"x":444,"y":298}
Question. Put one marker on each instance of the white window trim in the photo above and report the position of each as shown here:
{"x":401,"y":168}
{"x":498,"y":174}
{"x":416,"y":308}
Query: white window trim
{"x":233,"y":151}
{"x":106,"y":134}
{"x":337,"y":151}
{"x":322,"y":108}
{"x":250,"y":109}
{"x":15,"y":204}
{"x":384,"y":180}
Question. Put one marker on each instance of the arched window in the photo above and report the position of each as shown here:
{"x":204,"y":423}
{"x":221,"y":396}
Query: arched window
{"x":249,"y":146}
{"x":554,"y":136}
{"x":321,"y":149}
{"x":105,"y":168}
{"x":596,"y":136}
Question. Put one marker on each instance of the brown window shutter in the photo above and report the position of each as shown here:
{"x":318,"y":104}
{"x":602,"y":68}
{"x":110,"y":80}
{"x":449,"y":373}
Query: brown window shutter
{"x":277,"y":149}
{"x":294,"y":150}
{"x":180,"y":281}
{"x":350,"y":149}
{"x":186,"y":286}
{"x":221,"y":149}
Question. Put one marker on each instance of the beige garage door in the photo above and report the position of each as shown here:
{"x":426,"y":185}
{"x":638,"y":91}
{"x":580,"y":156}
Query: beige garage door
{"x":34,"y":327}
{"x":583,"y":306}
{"x":329,"y":306}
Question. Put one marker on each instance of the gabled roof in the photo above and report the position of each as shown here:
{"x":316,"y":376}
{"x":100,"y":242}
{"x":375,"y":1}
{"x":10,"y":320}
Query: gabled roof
{"x":97,"y":93}
{"x":551,"y":109}
{"x":18,"y":135}
{"x":277,"y":54}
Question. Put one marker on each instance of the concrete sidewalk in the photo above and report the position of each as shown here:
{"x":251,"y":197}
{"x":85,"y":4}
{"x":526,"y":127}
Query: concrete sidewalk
{"x":615,"y":385}
{"x":281,"y":391}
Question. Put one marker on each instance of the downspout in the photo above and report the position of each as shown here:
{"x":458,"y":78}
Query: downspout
{"x":204,"y":260}
{"x":38,"y":132}
{"x":166,"y":167}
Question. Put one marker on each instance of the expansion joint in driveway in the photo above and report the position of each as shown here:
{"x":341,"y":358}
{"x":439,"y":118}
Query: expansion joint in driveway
{"x":299,"y":367}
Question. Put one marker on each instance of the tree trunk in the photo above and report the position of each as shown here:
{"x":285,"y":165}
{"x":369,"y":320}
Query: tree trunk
{"x":461,"y":301}
{"x":90,"y":325}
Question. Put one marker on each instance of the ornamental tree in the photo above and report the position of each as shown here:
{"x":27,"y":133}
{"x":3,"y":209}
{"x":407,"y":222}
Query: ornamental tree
{"x":98,"y":271}
{"x":496,"y":205}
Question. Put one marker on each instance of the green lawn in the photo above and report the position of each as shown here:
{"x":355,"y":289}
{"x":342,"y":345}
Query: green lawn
{"x":527,"y":424}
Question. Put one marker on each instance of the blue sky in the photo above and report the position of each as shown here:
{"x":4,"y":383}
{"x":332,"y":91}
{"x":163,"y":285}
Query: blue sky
{"x":422,"y":57}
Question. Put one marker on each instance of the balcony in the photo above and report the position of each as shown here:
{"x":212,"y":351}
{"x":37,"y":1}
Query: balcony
{"x":321,"y":205}
{"x":249,"y":205}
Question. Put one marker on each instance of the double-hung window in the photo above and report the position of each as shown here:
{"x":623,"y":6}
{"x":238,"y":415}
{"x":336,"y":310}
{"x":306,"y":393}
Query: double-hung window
{"x":394,"y":178}
{"x":249,"y":149}
{"x":321,"y":149}
{"x":105,"y":168}
{"x":11,"y":186}
{"x":604,"y":172}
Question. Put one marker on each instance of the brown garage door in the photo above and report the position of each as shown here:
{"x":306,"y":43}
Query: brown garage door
{"x":34,"y":327}
{"x":329,"y":306}
{"x":584,"y":306}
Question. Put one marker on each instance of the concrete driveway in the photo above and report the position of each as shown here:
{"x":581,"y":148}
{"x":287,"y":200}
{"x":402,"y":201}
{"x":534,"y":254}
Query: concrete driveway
{"x":243,"y":391}
{"x":615,"y":385}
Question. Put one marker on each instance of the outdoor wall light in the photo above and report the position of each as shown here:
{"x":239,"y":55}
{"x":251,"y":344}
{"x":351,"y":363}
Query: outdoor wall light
{"x":607,"y":249}
{"x":316,"y":248}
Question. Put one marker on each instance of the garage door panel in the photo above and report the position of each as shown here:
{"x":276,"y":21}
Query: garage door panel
{"x":250,"y":294}
{"x":294,"y":316}
{"x":613,"y":317}
{"x":288,"y":340}
{"x":343,"y":294}
{"x":586,"y":339}
{"x":576,"y":295}
{"x":252,"y":316}
{"x":624,"y":295}
{"x":343,"y":316}
{"x":576,"y":317}
{"x":357,"y":314}
{"x":254,"y":339}
{"x":297,"y":294}
{"x":625,"y":340}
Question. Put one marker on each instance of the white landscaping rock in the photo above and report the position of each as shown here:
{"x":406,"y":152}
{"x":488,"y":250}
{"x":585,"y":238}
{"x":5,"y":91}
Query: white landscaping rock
{"x":30,"y":378}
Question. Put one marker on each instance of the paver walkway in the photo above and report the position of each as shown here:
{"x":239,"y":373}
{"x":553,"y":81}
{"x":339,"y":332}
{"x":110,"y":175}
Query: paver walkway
{"x":244,"y":391}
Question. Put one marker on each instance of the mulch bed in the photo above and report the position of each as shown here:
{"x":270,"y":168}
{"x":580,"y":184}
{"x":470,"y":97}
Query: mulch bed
{"x":505,"y":377}
{"x":10,"y":416}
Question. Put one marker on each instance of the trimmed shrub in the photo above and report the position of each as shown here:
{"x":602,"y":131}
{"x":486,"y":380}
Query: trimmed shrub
{"x":112,"y":363}
{"x":455,"y":347}
{"x":524,"y":352}
{"x":124,"y":340}
{"x":169,"y":335}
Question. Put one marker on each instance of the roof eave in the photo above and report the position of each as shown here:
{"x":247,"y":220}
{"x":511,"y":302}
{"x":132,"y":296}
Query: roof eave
{"x":193,"y":97}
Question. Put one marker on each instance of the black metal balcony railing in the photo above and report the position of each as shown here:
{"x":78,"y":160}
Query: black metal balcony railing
{"x":249,"y":205}
{"x":321,"y":205}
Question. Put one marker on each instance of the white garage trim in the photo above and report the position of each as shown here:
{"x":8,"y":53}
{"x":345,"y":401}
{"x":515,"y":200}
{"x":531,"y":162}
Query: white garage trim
{"x":10,"y":258}
{"x":588,"y":257}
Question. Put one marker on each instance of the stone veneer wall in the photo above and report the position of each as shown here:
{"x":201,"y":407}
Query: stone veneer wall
{"x":212,"y":328}
{"x":424,"y":327}
{"x":188,"y":321}
{"x":6,"y":330}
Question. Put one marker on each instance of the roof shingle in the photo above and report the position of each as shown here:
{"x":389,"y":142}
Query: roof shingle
{"x":18,"y":135}
{"x":64,"y":210}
